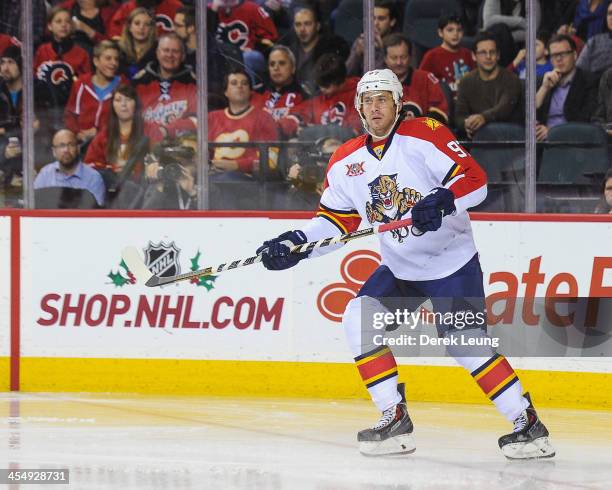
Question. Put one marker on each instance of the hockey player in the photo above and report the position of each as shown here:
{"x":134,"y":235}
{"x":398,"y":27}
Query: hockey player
{"x":412,"y":166}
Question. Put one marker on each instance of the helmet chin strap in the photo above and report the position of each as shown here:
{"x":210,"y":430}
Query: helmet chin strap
{"x":367,"y":128}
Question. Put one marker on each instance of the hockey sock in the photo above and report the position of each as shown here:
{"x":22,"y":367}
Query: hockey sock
{"x":501,"y":385}
{"x":378,"y":370}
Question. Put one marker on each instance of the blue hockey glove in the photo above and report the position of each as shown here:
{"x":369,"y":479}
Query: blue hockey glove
{"x":275,"y":253}
{"x":427,"y":214}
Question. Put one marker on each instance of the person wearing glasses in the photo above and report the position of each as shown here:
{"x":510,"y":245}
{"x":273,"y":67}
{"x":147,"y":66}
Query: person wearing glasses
{"x":489,"y":93}
{"x":566,"y":93}
{"x":68,"y":170}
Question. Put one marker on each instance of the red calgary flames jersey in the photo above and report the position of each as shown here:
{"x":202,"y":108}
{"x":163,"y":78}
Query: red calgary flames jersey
{"x":253,"y":125}
{"x":165,"y":102}
{"x":423,"y":95}
{"x":335,"y":109}
{"x":244,"y":25}
{"x":164,"y":16}
{"x":279,"y":103}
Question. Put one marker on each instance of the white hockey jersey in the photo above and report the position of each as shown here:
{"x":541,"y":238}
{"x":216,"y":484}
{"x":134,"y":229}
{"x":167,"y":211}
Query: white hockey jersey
{"x":379,"y":187}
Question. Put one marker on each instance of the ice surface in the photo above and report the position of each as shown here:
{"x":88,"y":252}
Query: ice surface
{"x":134,"y":441}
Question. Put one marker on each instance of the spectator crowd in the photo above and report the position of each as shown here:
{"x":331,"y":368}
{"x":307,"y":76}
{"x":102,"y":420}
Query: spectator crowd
{"x":115,"y":86}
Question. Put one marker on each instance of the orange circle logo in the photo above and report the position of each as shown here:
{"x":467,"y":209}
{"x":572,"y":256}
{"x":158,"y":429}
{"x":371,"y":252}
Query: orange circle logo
{"x":355,"y":269}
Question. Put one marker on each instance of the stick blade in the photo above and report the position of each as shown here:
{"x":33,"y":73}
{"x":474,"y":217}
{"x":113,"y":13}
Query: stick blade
{"x":136,"y":265}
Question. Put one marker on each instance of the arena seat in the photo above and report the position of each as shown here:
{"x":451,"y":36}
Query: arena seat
{"x":313,"y":133}
{"x":580,"y":158}
{"x":504,"y":165}
{"x":349,"y":20}
{"x":421,"y":22}
{"x":64,"y":198}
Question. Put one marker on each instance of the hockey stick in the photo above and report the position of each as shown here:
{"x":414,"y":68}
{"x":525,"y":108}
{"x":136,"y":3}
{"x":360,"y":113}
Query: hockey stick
{"x":132,"y":258}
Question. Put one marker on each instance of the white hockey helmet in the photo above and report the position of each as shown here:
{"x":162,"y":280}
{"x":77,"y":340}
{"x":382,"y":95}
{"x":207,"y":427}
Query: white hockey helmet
{"x":378,"y":81}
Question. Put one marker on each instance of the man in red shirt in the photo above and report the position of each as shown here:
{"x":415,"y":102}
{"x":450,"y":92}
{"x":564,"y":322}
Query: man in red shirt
{"x":240,"y":122}
{"x":449,"y":62}
{"x":335,"y":104}
{"x":423,"y":95}
{"x":167,"y":90}
{"x":283,"y":92}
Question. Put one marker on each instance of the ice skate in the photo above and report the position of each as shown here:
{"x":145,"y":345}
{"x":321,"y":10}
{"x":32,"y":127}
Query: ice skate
{"x":392,"y":434}
{"x":529,"y":439}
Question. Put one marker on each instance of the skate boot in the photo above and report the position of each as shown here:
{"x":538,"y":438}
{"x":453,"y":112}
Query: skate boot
{"x":392,"y":434}
{"x":529,"y":439}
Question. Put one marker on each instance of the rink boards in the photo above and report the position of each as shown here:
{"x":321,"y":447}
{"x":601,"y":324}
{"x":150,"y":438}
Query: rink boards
{"x":85,"y":324}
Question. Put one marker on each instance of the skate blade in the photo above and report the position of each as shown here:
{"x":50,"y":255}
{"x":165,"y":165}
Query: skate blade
{"x":403,"y":444}
{"x":540,"y":448}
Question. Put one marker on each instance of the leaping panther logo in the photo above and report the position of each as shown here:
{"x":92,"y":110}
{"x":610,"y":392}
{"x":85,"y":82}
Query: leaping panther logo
{"x":390,"y":204}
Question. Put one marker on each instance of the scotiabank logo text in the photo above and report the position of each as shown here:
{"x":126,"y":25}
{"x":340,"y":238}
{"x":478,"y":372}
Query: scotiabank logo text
{"x":159,"y":311}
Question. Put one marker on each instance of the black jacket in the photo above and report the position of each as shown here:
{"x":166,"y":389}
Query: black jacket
{"x":581,"y":99}
{"x":305,"y":65}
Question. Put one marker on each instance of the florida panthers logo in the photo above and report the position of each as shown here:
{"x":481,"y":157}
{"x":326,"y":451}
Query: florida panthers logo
{"x":235,"y":32}
{"x":335,"y":115}
{"x":389,"y":203}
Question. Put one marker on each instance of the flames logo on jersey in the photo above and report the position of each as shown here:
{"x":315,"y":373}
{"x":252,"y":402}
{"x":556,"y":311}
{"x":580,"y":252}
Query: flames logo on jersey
{"x":164,"y":23}
{"x":235,"y":32}
{"x":389,"y":203}
{"x":58,"y":75}
{"x":335,"y":115}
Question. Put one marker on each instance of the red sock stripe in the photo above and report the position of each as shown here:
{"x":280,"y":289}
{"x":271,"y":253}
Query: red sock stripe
{"x":490,"y":379}
{"x":374,"y":367}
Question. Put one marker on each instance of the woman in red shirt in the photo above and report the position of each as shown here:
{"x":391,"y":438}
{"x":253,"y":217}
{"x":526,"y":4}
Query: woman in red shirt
{"x":121,"y":139}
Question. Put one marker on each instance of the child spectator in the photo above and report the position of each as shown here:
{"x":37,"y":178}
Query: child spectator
{"x":165,"y":10}
{"x":57,"y":64}
{"x":91,"y":20}
{"x":543,"y":64}
{"x":449,"y":62}
{"x":122,"y":136}
{"x":137,"y":42}
{"x":89,"y":102}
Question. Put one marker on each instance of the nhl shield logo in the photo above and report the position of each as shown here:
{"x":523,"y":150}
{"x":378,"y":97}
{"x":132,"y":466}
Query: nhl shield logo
{"x":162,"y":259}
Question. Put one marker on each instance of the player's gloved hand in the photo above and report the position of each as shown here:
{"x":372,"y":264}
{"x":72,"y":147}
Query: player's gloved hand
{"x":275,"y":253}
{"x":427,"y":214}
